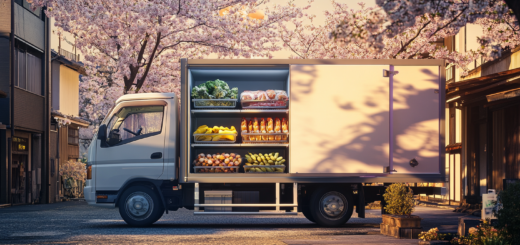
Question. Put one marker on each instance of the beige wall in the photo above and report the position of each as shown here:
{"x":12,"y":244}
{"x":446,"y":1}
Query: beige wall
{"x":69,"y":91}
{"x":66,"y":40}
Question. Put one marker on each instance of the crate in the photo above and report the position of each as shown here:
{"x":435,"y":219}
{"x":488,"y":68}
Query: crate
{"x":215,"y":103}
{"x":246,"y":137}
{"x":195,"y":140}
{"x":264,"y":104}
{"x":249,"y":169}
{"x":218,"y":197}
{"x":204,"y":169}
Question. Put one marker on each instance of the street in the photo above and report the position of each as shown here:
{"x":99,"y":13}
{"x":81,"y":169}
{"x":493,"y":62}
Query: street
{"x":76,"y":222}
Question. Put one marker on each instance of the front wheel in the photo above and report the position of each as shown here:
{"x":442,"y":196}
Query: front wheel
{"x":140,"y":206}
{"x":331,"y":207}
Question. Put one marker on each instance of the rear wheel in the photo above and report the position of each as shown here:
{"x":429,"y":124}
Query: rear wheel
{"x":331,"y":207}
{"x":140,"y":206}
{"x":306,"y":210}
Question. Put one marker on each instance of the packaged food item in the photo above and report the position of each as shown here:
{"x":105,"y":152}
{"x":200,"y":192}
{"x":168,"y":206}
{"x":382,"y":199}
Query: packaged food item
{"x":263,"y":129}
{"x":278,"y":129}
{"x":271,"y":94}
{"x":248,"y":95}
{"x":256,"y":128}
{"x":270,"y":128}
{"x":281,"y":95}
{"x":251,"y":130}
{"x":243,"y":127}
{"x":285,"y":128}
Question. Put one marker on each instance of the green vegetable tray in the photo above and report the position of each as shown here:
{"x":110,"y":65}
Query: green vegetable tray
{"x":215,"y":103}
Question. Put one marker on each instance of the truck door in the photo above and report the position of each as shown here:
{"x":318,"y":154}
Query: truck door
{"x":339,"y":119}
{"x":417,"y":116}
{"x":134,"y":146}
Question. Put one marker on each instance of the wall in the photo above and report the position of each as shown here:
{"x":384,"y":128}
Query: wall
{"x":69,"y":91}
{"x":29,"y":110}
{"x":67,"y":40}
{"x":29,"y":27}
{"x":5,"y":18}
{"x":55,"y":77}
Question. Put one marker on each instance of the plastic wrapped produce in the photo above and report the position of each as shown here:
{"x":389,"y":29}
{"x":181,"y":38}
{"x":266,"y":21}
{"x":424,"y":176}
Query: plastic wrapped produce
{"x":278,"y":129}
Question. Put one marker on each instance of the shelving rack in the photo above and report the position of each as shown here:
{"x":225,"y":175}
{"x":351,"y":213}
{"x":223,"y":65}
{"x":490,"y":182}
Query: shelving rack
{"x":245,"y":78}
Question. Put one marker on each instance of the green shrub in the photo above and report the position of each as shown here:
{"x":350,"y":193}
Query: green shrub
{"x":508,"y":214}
{"x":399,"y":199}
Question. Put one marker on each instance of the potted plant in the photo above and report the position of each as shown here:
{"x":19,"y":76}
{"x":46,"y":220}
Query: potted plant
{"x":432,"y":237}
{"x":73,"y":174}
{"x":399,"y":222}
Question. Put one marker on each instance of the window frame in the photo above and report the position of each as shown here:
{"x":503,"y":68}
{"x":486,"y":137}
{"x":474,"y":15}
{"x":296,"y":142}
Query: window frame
{"x":126,"y":141}
{"x":26,"y":50}
{"x":75,"y":136}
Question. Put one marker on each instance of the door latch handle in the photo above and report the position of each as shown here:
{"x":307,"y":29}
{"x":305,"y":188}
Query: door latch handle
{"x":156,"y":155}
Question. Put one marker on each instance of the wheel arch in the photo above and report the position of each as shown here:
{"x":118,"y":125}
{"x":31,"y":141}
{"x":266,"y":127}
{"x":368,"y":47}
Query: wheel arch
{"x":153,"y":184}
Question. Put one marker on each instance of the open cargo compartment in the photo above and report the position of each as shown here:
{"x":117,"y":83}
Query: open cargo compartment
{"x":347,"y":121}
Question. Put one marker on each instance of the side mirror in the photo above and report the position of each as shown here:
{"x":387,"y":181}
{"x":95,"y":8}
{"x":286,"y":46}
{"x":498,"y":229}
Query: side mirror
{"x":102,"y":133}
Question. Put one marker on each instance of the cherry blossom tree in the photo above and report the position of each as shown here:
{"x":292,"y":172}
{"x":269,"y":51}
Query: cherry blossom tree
{"x":309,"y":41}
{"x":132,"y":46}
{"x":442,"y":16}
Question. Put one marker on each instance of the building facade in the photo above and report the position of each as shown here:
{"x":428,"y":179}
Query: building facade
{"x":39,"y":89}
{"x":482,"y":121}
{"x":24,"y":113}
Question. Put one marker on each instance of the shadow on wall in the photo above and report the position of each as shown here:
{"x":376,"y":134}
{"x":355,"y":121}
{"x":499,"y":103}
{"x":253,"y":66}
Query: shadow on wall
{"x":361,"y":143}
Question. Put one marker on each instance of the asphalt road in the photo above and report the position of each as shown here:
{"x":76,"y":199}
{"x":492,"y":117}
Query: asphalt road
{"x":76,"y":222}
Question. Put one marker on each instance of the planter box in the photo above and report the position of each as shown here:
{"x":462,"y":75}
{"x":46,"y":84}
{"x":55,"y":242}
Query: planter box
{"x":401,"y":226}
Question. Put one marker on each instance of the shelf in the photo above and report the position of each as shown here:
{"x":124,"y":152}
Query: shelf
{"x":196,"y":111}
{"x":240,"y":145}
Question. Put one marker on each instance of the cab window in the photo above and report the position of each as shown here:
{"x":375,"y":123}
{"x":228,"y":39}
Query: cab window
{"x":133,"y":123}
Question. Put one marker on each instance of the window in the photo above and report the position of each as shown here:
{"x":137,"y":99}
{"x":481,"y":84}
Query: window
{"x":73,"y":136}
{"x":28,"y":74}
{"x":26,"y":5}
{"x":132,"y":123}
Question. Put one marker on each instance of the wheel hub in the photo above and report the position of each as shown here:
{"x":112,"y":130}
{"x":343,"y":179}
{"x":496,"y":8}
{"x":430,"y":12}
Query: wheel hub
{"x":138,"y":204}
{"x":332,"y":205}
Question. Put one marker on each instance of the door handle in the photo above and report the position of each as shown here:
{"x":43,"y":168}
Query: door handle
{"x":156,"y":155}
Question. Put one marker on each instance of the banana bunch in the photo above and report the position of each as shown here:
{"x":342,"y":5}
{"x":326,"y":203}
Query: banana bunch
{"x":261,"y":162}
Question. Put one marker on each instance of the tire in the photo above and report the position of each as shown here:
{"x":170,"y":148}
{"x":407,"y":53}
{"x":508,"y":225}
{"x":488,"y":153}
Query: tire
{"x":140,"y":206}
{"x":306,"y":210}
{"x":331,"y":207}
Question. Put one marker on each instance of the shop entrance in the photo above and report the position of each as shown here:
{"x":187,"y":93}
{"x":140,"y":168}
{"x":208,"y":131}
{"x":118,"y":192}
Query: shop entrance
{"x":19,"y":179}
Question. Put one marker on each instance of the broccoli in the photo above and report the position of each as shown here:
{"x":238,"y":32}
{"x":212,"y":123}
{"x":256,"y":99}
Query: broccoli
{"x":217,"y":89}
{"x":234,"y":93}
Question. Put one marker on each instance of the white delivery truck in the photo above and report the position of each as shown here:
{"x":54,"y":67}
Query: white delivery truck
{"x":271,"y":137}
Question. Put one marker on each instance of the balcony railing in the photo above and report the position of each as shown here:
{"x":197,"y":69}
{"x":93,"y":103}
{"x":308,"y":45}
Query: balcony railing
{"x":69,"y":55}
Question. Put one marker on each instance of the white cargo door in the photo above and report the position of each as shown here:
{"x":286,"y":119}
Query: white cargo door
{"x":416,"y":119}
{"x":339,"y":119}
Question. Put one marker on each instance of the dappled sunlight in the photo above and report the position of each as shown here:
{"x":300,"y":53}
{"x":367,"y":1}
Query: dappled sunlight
{"x":344,"y":127}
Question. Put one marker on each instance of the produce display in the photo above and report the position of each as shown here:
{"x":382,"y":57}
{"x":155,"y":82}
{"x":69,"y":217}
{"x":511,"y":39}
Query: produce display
{"x":264,"y":163}
{"x":213,"y":91}
{"x":268,"y":98}
{"x":216,"y":133}
{"x":217,"y":163}
{"x":264,"y":130}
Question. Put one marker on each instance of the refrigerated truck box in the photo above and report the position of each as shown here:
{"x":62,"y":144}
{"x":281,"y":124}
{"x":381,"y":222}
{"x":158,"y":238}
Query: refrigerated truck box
{"x":350,"y":122}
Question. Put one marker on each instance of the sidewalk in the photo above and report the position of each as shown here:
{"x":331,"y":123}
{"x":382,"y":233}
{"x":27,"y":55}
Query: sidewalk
{"x":444,"y":219}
